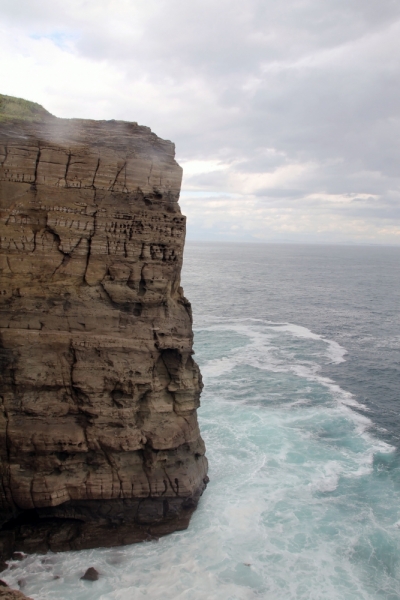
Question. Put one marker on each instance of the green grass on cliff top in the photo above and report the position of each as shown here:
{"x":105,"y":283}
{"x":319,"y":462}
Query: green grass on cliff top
{"x":17,"y":108}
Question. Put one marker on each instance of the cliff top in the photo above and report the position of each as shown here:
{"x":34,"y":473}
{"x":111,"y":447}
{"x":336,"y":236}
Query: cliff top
{"x":115,"y":156}
{"x":19,"y":117}
{"x":12,"y":108}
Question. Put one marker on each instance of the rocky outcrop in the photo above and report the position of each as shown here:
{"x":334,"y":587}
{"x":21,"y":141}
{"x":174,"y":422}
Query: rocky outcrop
{"x":7,"y":594}
{"x":99,"y":441}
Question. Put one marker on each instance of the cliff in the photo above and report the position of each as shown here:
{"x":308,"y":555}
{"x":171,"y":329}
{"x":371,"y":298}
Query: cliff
{"x":99,"y":441}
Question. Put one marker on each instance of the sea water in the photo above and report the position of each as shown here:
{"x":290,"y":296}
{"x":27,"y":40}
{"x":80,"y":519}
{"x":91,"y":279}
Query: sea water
{"x":299,"y":349}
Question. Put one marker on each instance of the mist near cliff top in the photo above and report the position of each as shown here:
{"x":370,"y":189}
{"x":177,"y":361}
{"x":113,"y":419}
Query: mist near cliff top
{"x":285,"y":115}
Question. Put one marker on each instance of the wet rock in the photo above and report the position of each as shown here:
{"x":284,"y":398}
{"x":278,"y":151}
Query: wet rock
{"x":6,"y":593}
{"x":91,"y":574}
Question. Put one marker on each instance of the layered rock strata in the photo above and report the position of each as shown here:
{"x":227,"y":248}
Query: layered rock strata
{"x":99,"y":441}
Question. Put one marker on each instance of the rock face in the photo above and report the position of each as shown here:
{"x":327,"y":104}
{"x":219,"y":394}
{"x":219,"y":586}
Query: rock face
{"x":99,"y":442}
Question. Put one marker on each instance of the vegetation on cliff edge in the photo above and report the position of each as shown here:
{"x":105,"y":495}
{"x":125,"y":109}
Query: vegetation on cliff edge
{"x":12,"y":108}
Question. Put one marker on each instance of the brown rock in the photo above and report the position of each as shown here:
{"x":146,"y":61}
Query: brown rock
{"x":7,"y":593}
{"x":99,"y":442}
{"x":91,"y":574}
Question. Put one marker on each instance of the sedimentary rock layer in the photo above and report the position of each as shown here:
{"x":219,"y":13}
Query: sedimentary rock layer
{"x":99,"y":441}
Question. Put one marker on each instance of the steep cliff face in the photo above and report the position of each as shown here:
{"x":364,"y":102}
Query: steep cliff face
{"x":99,"y":441}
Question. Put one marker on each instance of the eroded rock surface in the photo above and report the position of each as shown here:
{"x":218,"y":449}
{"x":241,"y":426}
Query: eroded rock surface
{"x":99,"y":441}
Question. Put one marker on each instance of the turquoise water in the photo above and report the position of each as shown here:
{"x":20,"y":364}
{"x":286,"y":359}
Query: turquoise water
{"x":303,"y":499}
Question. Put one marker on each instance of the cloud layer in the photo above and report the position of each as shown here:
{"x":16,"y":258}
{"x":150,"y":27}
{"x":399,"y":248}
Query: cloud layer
{"x":286,"y":115}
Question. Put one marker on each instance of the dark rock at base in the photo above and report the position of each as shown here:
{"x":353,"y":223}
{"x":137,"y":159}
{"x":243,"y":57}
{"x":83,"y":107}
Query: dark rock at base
{"x":80,"y":525}
{"x":91,"y":574}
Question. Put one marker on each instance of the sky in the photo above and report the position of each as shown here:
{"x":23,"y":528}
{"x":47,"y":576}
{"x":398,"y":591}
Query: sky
{"x":285,"y":113}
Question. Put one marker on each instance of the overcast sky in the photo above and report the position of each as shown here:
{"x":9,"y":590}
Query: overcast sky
{"x":285,"y":113}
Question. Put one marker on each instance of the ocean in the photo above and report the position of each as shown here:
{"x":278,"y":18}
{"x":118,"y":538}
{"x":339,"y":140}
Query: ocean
{"x":299,"y":347}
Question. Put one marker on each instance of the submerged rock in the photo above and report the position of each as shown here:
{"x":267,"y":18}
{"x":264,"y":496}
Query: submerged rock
{"x":99,"y":442}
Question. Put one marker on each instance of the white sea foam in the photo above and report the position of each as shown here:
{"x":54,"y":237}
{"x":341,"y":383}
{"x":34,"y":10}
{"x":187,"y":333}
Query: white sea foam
{"x":328,"y":480}
{"x":335,"y":351}
{"x":217,"y":367}
{"x":264,"y":352}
